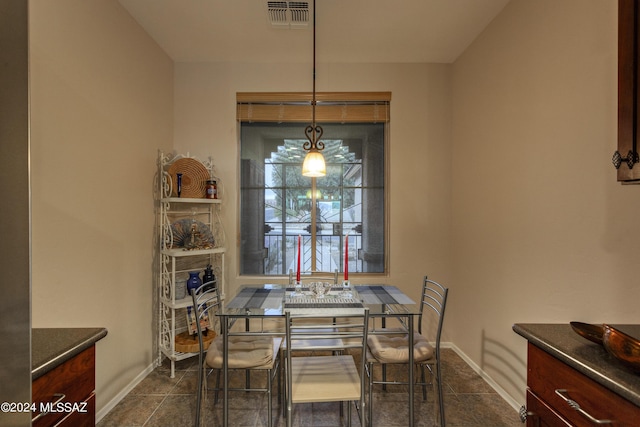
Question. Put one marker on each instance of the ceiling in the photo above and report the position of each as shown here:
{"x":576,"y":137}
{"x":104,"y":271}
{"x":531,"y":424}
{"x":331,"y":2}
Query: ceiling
{"x":369,"y":31}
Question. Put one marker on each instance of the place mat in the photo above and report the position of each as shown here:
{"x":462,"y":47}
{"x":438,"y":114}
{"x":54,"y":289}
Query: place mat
{"x":257,"y":298}
{"x":380,"y":294}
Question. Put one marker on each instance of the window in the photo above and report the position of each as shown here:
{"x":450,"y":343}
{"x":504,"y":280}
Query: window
{"x":278,"y":204}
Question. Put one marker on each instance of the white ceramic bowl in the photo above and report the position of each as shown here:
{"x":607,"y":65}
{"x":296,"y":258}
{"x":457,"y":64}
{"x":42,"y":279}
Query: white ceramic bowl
{"x":319,"y":289}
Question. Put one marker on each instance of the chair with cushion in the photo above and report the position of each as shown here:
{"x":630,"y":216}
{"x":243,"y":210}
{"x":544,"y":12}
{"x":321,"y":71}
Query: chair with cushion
{"x":333,"y":377}
{"x":247,"y":351}
{"x":305,"y":279}
{"x":390,"y":345}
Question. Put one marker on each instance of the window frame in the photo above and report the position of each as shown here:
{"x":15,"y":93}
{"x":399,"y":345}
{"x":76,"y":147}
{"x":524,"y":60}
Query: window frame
{"x":331,"y":107}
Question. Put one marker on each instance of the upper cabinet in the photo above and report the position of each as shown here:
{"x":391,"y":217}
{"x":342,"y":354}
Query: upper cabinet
{"x":626,"y":159}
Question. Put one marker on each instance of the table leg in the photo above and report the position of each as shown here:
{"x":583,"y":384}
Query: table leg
{"x":411,"y":382}
{"x":247,"y":374}
{"x":225,"y":371}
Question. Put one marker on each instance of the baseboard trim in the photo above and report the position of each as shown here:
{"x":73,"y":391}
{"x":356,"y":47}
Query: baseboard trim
{"x":123,"y":393}
{"x":508,"y":398}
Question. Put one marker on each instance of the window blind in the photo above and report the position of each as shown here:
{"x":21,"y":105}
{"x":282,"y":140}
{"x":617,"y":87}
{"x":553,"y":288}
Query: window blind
{"x":331,"y":107}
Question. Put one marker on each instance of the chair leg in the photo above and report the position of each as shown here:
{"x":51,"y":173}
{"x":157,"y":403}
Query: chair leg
{"x":370,"y":409}
{"x":423,"y":378}
{"x":440,"y":393}
{"x":384,"y":376}
{"x":277,"y":373}
{"x":269,"y":384}
{"x":217,"y":393}
{"x":289,"y":415}
{"x":201,"y":379}
{"x":287,"y":395}
{"x":285,"y":387}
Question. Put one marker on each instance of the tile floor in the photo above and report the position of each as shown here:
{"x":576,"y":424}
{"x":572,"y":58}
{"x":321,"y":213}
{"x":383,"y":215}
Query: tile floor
{"x":162,"y":401}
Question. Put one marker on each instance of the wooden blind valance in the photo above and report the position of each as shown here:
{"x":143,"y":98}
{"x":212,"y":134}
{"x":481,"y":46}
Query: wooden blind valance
{"x":333,"y":107}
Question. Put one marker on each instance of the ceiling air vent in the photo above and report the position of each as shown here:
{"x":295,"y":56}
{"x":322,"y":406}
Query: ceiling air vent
{"x":288,"y":14}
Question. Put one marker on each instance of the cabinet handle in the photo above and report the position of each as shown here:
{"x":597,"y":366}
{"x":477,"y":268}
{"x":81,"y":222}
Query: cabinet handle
{"x":575,"y":405}
{"x":631,"y":159}
{"x":60,"y":396}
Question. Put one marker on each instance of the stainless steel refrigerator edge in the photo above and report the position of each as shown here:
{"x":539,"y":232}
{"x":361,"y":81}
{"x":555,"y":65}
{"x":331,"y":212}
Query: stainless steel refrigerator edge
{"x":15,"y":215}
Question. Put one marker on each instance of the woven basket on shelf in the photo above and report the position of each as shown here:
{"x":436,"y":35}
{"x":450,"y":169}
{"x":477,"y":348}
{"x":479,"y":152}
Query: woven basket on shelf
{"x":194,"y":178}
{"x":186,"y":343}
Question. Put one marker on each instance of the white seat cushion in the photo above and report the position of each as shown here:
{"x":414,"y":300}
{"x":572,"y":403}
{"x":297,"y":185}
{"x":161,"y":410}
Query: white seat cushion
{"x":390,"y":348}
{"x":244,"y":352}
{"x":324,"y":379}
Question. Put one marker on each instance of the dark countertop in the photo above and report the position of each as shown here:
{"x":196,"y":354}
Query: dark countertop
{"x":587,"y":357}
{"x":50,"y":347}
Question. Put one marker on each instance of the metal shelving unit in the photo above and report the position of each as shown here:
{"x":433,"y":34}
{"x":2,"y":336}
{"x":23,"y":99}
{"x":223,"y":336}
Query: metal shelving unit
{"x":174,"y":260}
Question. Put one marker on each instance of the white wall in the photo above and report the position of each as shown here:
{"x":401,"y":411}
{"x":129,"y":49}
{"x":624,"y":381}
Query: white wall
{"x":542,"y":232}
{"x":419,"y":184}
{"x":101,"y":107}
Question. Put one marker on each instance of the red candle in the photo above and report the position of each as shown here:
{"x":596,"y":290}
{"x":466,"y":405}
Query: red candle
{"x":346,"y":257}
{"x":298,"y":269}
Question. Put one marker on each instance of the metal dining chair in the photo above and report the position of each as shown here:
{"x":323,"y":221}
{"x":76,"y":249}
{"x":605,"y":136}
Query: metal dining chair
{"x":329,"y":341}
{"x":325,"y":378}
{"x":246,"y":351}
{"x":390,"y":345}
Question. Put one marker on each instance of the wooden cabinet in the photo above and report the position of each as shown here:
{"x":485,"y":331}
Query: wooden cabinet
{"x":559,"y":395}
{"x":626,"y":158}
{"x":66,"y":394}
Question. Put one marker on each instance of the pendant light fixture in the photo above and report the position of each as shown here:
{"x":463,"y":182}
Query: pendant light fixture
{"x":313,"y":165}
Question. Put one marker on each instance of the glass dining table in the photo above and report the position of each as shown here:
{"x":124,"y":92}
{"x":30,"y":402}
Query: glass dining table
{"x":271,"y":302}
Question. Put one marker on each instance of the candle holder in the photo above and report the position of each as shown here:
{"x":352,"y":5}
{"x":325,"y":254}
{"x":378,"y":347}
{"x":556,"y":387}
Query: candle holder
{"x":346,"y":288}
{"x":297,"y":289}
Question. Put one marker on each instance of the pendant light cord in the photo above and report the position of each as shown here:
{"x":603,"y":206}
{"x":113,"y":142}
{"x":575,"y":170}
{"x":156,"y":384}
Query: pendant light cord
{"x":313,"y":131}
{"x":313,"y":102}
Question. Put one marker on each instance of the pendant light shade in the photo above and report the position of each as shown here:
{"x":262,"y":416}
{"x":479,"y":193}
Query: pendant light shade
{"x":313,"y":165}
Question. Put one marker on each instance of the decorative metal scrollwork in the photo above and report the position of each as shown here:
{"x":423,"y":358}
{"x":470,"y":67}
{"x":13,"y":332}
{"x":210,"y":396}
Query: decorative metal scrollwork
{"x":314,"y":134}
{"x":631,"y":159}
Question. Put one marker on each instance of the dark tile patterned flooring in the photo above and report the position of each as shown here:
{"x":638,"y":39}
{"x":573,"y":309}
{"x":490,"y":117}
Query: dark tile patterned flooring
{"x":163,"y":401}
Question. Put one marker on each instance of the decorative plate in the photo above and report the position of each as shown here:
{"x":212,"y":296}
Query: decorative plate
{"x":194,"y":178}
{"x":182,"y":235}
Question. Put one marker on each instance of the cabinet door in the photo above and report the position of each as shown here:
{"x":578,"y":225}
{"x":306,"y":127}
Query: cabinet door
{"x":539,"y":414}
{"x":627,"y":91}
